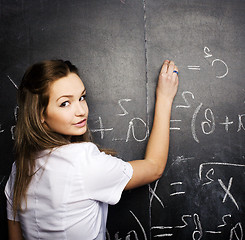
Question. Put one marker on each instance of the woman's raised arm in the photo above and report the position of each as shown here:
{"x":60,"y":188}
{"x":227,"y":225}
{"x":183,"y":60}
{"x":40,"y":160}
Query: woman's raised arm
{"x":152,"y":167}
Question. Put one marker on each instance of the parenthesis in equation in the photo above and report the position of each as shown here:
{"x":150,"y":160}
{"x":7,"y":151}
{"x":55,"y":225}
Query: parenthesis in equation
{"x":193,"y":123}
{"x":219,"y":60}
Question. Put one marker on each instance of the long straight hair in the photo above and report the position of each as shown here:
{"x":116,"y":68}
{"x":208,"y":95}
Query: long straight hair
{"x":30,"y":134}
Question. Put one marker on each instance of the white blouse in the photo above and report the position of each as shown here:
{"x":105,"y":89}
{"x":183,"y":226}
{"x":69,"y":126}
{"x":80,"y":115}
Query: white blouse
{"x":69,"y":194}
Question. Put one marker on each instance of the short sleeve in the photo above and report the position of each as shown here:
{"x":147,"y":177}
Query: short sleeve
{"x":106,"y":176}
{"x":9,"y":190}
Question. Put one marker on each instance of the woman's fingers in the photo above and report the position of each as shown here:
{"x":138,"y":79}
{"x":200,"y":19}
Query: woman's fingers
{"x":175,"y":72}
{"x":164,"y":68}
{"x":171,"y":68}
{"x":168,"y":80}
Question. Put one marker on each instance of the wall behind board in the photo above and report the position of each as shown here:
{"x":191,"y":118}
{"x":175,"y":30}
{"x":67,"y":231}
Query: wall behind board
{"x":119,"y":46}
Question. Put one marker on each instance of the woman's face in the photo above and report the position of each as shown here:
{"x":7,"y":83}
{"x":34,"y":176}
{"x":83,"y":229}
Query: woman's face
{"x":67,"y":110}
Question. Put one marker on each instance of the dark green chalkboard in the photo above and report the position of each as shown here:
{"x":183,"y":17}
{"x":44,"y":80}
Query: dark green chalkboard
{"x":119,"y":46}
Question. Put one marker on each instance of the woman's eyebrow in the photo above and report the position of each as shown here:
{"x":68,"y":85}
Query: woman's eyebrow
{"x":70,"y":96}
{"x":67,"y":96}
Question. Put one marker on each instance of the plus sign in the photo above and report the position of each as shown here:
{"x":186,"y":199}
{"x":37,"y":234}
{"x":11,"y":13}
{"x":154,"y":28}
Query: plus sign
{"x":226,"y":123}
{"x":101,"y":129}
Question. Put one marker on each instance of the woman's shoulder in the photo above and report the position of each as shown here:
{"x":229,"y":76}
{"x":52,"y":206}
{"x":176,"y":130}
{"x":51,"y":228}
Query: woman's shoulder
{"x":81,"y":146}
{"x":69,"y":148}
{"x":10,"y":183}
{"x":76,"y":150}
{"x":73,"y":155}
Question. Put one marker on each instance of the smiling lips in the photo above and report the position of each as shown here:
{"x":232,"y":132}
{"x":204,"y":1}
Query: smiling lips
{"x":81,"y":123}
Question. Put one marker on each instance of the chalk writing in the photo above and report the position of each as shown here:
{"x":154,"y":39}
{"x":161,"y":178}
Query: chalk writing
{"x":208,"y":125}
{"x":16,"y":112}
{"x":193,"y":123}
{"x":241,"y":126}
{"x":188,"y":105}
{"x":12,"y":132}
{"x":196,"y":220}
{"x":1,"y":130}
{"x":227,"y":123}
{"x":198,"y":231}
{"x":12,"y":82}
{"x":208,"y":177}
{"x":183,"y":220}
{"x":223,"y":220}
{"x":227,"y":191}
{"x":197,"y":68}
{"x":12,"y":128}
{"x":123,"y":109}
{"x":143,"y":231}
{"x":177,"y":192}
{"x":174,"y":128}
{"x":218,"y":164}
{"x":153,"y":194}
{"x":226,"y":67}
{"x":208,"y":54}
{"x":101,"y":128}
{"x":131,"y":129}
{"x":131,"y":232}
{"x":131,"y":132}
{"x":235,"y":231}
{"x":2,"y":180}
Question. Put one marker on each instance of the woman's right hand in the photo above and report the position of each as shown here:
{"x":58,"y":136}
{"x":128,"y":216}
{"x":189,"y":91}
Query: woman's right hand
{"x":168,"y":81}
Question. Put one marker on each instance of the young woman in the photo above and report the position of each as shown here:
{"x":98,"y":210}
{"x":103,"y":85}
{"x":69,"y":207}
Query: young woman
{"x":61,"y":184}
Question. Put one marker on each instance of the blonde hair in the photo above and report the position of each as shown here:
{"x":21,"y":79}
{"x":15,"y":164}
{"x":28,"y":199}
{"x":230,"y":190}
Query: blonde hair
{"x":30,"y":134}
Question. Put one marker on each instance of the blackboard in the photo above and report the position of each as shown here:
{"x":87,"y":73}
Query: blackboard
{"x":119,"y":46}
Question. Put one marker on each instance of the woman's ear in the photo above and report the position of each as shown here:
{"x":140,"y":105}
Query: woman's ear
{"x":42,"y":117}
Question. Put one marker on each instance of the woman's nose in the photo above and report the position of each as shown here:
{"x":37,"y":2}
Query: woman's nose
{"x":81,"y":108}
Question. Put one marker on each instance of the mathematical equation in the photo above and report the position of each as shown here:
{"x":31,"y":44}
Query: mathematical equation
{"x":207,"y":177}
{"x":209,"y":56}
{"x":226,"y":228}
{"x":209,"y":124}
{"x":197,"y":233}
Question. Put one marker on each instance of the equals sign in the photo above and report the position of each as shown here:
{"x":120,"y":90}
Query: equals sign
{"x":194,"y":68}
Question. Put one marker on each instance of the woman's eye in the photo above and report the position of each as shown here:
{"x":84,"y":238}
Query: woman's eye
{"x":82,"y":98}
{"x":64,"y":104}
